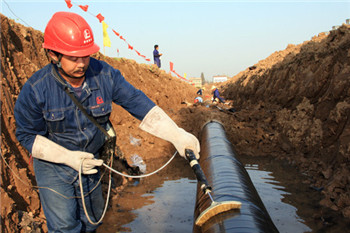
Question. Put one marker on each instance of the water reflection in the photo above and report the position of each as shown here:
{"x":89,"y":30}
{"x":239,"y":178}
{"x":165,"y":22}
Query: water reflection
{"x":171,"y":211}
{"x":272,"y":194}
{"x":165,"y":202}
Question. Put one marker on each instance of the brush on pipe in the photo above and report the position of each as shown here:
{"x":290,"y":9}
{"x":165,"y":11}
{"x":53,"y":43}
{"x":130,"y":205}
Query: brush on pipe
{"x":216,"y":207}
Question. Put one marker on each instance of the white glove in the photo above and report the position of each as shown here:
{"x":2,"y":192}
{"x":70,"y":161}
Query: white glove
{"x":159,"y":124}
{"x":45,"y":149}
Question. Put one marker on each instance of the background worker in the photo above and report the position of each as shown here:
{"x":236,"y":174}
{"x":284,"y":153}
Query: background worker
{"x":200,"y":91}
{"x":59,"y":136}
{"x":156,"y":56}
{"x":198,"y":99}
{"x":216,"y":94}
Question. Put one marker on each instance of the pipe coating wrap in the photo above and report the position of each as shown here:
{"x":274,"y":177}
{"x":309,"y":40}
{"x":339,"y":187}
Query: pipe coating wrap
{"x":230,"y":182}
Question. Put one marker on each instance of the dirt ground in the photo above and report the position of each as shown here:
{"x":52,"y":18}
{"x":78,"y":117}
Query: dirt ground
{"x":293,"y":105}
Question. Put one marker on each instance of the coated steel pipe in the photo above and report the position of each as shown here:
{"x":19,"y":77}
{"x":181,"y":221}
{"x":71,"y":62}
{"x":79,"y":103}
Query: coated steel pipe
{"x":230,"y":182}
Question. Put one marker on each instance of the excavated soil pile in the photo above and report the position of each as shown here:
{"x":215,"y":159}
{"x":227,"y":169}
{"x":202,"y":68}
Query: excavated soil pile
{"x":293,"y":105}
{"x":301,"y":97}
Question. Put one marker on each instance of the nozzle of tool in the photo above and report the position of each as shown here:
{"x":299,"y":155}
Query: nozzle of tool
{"x":202,"y":180}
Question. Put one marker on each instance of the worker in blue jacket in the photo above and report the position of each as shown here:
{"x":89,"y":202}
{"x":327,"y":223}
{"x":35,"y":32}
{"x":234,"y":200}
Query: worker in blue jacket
{"x":62,"y":139}
{"x":216,"y":95}
{"x":156,"y":56}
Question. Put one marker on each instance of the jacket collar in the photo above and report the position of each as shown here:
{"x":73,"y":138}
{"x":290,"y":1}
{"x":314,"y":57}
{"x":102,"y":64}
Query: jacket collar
{"x":90,"y":79}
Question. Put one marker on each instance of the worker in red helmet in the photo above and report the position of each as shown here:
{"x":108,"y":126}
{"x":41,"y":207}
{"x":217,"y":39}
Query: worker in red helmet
{"x":62,"y":139}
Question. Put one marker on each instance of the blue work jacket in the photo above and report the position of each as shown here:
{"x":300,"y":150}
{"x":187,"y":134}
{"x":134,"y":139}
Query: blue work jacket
{"x":156,"y":57}
{"x":44,"y":108}
{"x":216,"y":93}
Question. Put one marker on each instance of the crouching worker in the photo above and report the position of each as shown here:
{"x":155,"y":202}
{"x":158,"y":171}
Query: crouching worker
{"x":216,"y":95}
{"x":59,"y":136}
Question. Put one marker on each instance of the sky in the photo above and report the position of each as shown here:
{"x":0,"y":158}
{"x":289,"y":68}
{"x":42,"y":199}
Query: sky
{"x":209,"y":37}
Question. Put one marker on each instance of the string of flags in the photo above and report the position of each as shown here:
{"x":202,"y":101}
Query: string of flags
{"x":171,"y":65}
{"x":107,"y":41}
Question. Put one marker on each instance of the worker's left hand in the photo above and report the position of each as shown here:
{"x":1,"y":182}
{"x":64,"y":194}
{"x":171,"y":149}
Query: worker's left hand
{"x":158,"y":123}
{"x":186,"y":140}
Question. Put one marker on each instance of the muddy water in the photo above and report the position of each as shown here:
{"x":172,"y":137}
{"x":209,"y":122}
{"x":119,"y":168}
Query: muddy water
{"x":290,"y":199}
{"x":165,"y":202}
{"x":271,"y":191}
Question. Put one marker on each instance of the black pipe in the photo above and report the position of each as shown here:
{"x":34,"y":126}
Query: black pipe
{"x":230,"y":182}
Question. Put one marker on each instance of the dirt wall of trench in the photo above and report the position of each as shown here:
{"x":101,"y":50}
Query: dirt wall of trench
{"x":304,"y":91}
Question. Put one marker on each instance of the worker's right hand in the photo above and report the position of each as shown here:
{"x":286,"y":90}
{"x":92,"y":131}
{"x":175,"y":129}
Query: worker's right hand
{"x":84,"y":159}
{"x":45,"y":149}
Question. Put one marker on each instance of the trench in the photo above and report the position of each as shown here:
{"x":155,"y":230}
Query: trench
{"x":165,"y":201}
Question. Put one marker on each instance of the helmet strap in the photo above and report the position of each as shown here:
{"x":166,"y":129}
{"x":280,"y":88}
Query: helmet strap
{"x":58,"y":63}
{"x":59,"y":57}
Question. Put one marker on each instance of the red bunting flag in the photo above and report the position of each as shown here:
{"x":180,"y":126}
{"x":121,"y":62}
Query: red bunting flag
{"x":69,"y":3}
{"x":171,"y":66}
{"x":179,"y":75}
{"x":116,"y":32}
{"x":84,"y":8}
{"x":100,"y":17}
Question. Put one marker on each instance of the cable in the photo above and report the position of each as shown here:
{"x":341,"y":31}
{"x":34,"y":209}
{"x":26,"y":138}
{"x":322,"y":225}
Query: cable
{"x":81,"y":185}
{"x":39,"y":187}
{"x":15,"y":14}
{"x":83,"y":199}
{"x":109,"y":185}
{"x":141,"y":176}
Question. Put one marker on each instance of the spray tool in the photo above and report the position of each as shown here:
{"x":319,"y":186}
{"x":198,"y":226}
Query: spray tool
{"x":216,"y":207}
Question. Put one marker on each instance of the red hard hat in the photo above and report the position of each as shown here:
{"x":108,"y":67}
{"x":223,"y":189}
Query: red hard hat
{"x":68,"y":33}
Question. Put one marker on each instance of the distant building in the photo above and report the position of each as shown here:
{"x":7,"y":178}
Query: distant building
{"x":347,"y":21}
{"x":219,"y":79}
{"x":197,"y":82}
